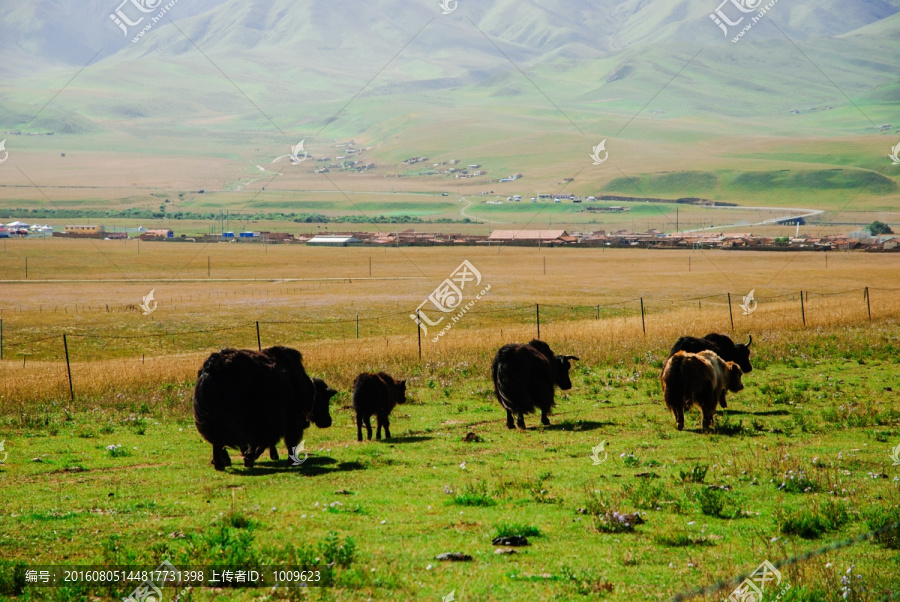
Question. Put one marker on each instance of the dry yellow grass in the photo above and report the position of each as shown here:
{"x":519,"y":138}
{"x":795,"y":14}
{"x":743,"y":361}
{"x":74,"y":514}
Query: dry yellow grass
{"x":122,"y":349}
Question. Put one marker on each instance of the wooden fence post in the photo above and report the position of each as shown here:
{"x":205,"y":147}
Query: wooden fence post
{"x":419,"y":331}
{"x":357,"y":326}
{"x":68,"y":368}
{"x":643,"y":323}
{"x":868,"y":309}
{"x":537,"y":307}
{"x":802,"y":308}
{"x":730,"y":312}
{"x":258,"y":340}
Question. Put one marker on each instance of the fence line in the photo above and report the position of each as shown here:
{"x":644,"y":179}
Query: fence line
{"x":711,"y":589}
{"x":641,"y":306}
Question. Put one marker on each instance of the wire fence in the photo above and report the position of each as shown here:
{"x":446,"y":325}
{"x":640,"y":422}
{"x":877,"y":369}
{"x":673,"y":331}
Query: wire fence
{"x":836,"y":545}
{"x":23,"y":344}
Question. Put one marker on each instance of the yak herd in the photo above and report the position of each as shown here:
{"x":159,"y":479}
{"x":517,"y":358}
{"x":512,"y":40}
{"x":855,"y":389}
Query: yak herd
{"x":251,"y":400}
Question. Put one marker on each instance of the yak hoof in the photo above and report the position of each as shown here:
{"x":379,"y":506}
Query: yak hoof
{"x":723,"y":403}
{"x":248,"y":462}
{"x":679,"y":426}
{"x":545,"y":421}
{"x":273,"y":453}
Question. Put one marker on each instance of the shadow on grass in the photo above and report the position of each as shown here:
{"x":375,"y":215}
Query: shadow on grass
{"x":409,"y":439}
{"x":313,"y":466}
{"x":576,"y":425}
{"x":763,"y":413}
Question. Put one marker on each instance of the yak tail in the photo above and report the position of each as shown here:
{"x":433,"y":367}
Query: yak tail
{"x":674,"y":381}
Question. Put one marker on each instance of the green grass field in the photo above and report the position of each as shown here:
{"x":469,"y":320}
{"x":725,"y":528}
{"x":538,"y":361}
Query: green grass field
{"x":799,"y":460}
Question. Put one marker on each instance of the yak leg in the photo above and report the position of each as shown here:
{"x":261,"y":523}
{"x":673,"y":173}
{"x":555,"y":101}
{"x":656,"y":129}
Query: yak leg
{"x":251,"y":454}
{"x":709,"y":413}
{"x":292,"y":441}
{"x":386,"y":421}
{"x":273,"y":453}
{"x":544,"y":420}
{"x":510,"y":423}
{"x":722,"y":400}
{"x":220,"y":458}
{"x":520,"y":422}
{"x":679,"y":417}
{"x":368,"y":420}
{"x":359,"y":424}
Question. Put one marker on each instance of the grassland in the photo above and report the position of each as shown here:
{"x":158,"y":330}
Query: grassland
{"x":821,"y":406}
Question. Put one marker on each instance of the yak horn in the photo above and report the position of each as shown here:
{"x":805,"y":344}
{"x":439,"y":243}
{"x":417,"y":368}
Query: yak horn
{"x":749,"y":340}
{"x":571,"y":357}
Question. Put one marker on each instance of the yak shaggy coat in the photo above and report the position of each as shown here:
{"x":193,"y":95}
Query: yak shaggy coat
{"x":524,"y":377}
{"x":249,"y":400}
{"x":722,"y":345}
{"x":698,"y":378}
{"x":376,"y":394}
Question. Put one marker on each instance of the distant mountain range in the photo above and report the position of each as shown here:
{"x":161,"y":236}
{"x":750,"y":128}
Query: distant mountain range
{"x":299,"y":60}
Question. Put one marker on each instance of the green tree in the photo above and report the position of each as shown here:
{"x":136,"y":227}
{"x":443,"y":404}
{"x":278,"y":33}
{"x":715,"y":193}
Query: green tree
{"x":878,"y":227}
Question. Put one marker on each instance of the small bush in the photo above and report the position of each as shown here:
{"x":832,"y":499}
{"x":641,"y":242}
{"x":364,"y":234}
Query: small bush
{"x":475,"y":494}
{"x":798,"y":482}
{"x":681,"y":540}
{"x":116,"y":451}
{"x":886,"y":520}
{"x":696,"y":475}
{"x":648,"y":494}
{"x":718,"y":503}
{"x":505,"y":529}
{"x":813,"y":523}
{"x":606,"y":519}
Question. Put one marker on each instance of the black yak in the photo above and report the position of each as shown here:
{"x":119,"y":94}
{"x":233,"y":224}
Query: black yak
{"x":723,"y":346}
{"x":376,"y":394}
{"x":249,"y":400}
{"x":524,"y":377}
{"x":698,"y":378}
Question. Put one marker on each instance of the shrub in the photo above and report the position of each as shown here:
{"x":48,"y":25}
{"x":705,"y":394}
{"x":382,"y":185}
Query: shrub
{"x":648,"y":494}
{"x":887,"y":521}
{"x":718,"y":503}
{"x":798,"y":482}
{"x":475,"y":494}
{"x":505,"y":529}
{"x":681,"y":540}
{"x":696,"y":475}
{"x":813,"y":523}
{"x":606,"y":519}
